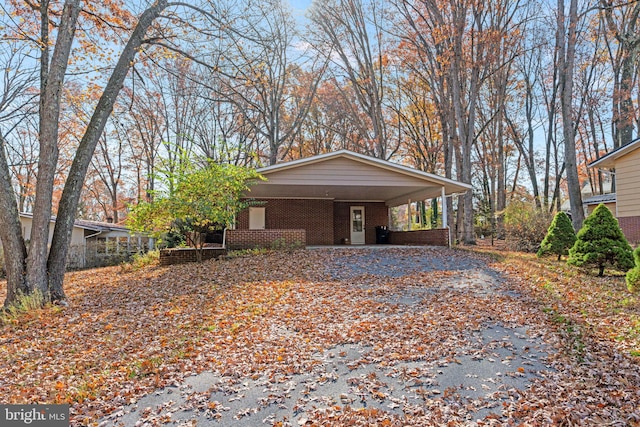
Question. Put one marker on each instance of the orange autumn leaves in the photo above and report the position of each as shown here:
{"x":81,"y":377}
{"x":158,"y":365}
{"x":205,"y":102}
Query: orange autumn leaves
{"x":127,"y":333}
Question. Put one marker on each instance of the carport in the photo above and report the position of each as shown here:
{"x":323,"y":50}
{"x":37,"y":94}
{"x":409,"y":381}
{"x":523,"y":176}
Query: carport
{"x":338,"y":198}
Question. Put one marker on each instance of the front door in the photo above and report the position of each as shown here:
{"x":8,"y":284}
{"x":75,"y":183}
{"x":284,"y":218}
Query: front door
{"x":357,"y":225}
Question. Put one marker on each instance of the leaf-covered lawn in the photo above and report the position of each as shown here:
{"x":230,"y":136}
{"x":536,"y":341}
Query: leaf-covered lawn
{"x":128,"y":333}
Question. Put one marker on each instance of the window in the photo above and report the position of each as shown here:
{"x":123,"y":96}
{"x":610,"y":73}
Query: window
{"x":256,"y":218}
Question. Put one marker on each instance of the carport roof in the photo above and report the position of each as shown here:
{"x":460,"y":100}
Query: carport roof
{"x":345,"y":175}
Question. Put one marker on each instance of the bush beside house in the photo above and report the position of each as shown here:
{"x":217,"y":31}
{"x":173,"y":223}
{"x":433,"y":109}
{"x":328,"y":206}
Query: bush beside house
{"x":600,"y":243}
{"x":633,"y":275}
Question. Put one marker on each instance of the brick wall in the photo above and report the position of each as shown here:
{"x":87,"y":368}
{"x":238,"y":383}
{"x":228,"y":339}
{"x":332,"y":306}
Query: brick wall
{"x":248,"y":239}
{"x":375,"y":213}
{"x":630,"y":226}
{"x":184,"y":255}
{"x":312,"y":215}
{"x":436,"y":237}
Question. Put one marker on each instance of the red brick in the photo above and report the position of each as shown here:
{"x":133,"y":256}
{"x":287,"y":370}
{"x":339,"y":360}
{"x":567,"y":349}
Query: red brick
{"x":436,"y":237}
{"x":630,"y":226}
{"x":184,"y":255}
{"x":249,"y":239}
{"x":324,"y":222}
{"x":313,"y":216}
{"x":375,"y":214}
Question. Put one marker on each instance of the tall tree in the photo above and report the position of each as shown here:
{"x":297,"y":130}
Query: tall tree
{"x":350,"y":33}
{"x":42,"y":271}
{"x":622,"y":19}
{"x":566,"y":38}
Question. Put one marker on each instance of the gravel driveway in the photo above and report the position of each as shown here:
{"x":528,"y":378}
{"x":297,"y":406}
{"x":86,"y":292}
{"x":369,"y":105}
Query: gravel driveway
{"x":439,"y":336}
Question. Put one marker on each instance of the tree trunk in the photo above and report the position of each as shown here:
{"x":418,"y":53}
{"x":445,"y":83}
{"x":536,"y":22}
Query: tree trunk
{"x":625,"y":101}
{"x":15,"y":252}
{"x":71,"y":193}
{"x":566,"y":62}
{"x":52,"y":76}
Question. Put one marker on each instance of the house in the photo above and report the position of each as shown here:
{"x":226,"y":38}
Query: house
{"x":592,"y":202}
{"x":337,"y":198}
{"x":625,"y":202}
{"x":95,"y":244}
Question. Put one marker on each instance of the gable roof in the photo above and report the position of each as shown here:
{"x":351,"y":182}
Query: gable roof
{"x":600,"y":198}
{"x":345,"y":175}
{"x":608,"y":160}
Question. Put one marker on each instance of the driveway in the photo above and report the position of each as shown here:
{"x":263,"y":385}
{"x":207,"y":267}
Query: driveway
{"x":407,"y":336}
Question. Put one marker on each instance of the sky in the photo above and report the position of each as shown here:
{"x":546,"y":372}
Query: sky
{"x":299,"y":7}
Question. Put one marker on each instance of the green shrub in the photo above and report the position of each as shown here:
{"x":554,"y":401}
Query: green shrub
{"x":633,"y":275}
{"x":23,"y":304}
{"x":560,"y":237}
{"x":525,"y":226}
{"x":140,"y":260}
{"x":600,"y":243}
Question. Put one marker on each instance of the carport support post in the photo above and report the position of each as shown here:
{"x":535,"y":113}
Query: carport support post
{"x":444,"y":209}
{"x":409,"y":215}
{"x":445,"y":223}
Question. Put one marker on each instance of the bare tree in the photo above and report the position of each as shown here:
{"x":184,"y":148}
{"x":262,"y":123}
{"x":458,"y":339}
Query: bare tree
{"x":260,"y":70}
{"x":622,"y":19}
{"x":351,"y":35}
{"x":566,"y":37}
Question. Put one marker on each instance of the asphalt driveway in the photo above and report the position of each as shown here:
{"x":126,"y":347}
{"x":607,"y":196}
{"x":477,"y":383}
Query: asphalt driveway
{"x":434,"y":335}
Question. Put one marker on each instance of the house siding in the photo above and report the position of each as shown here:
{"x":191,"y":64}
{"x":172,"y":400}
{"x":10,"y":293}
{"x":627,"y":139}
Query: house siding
{"x":375,"y":213}
{"x":312,"y":215}
{"x":610,"y":205}
{"x":627,"y":199}
{"x":341,"y":171}
{"x":627,"y":179}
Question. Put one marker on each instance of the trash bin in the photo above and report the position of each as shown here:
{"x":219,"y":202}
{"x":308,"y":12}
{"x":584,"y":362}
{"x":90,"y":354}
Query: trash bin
{"x":382,"y":235}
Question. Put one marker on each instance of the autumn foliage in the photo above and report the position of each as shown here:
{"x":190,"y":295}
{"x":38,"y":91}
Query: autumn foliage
{"x":128,"y":332}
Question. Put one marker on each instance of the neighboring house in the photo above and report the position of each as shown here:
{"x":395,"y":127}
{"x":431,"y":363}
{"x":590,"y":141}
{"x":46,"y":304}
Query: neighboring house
{"x":95,"y":244}
{"x":338,"y":198}
{"x":625,"y":202}
{"x":608,"y":199}
{"x":591,"y":200}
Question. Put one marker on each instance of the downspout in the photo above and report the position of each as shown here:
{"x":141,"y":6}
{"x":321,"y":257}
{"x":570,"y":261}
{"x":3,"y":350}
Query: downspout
{"x":224,"y":238}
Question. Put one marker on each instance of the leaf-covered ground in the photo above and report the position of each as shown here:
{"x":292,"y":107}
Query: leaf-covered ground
{"x":395,"y":322}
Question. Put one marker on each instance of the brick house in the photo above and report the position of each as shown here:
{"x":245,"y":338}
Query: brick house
{"x":625,"y":202}
{"x":337,"y":198}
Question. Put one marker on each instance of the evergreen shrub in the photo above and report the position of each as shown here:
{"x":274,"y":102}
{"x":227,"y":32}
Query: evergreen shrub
{"x":600,"y":243}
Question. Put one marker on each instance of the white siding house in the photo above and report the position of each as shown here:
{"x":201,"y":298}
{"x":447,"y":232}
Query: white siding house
{"x":95,"y":243}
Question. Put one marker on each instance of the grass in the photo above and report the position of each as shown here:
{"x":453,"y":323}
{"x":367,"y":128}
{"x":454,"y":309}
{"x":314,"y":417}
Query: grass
{"x":576,"y":299}
{"x":24,"y":304}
